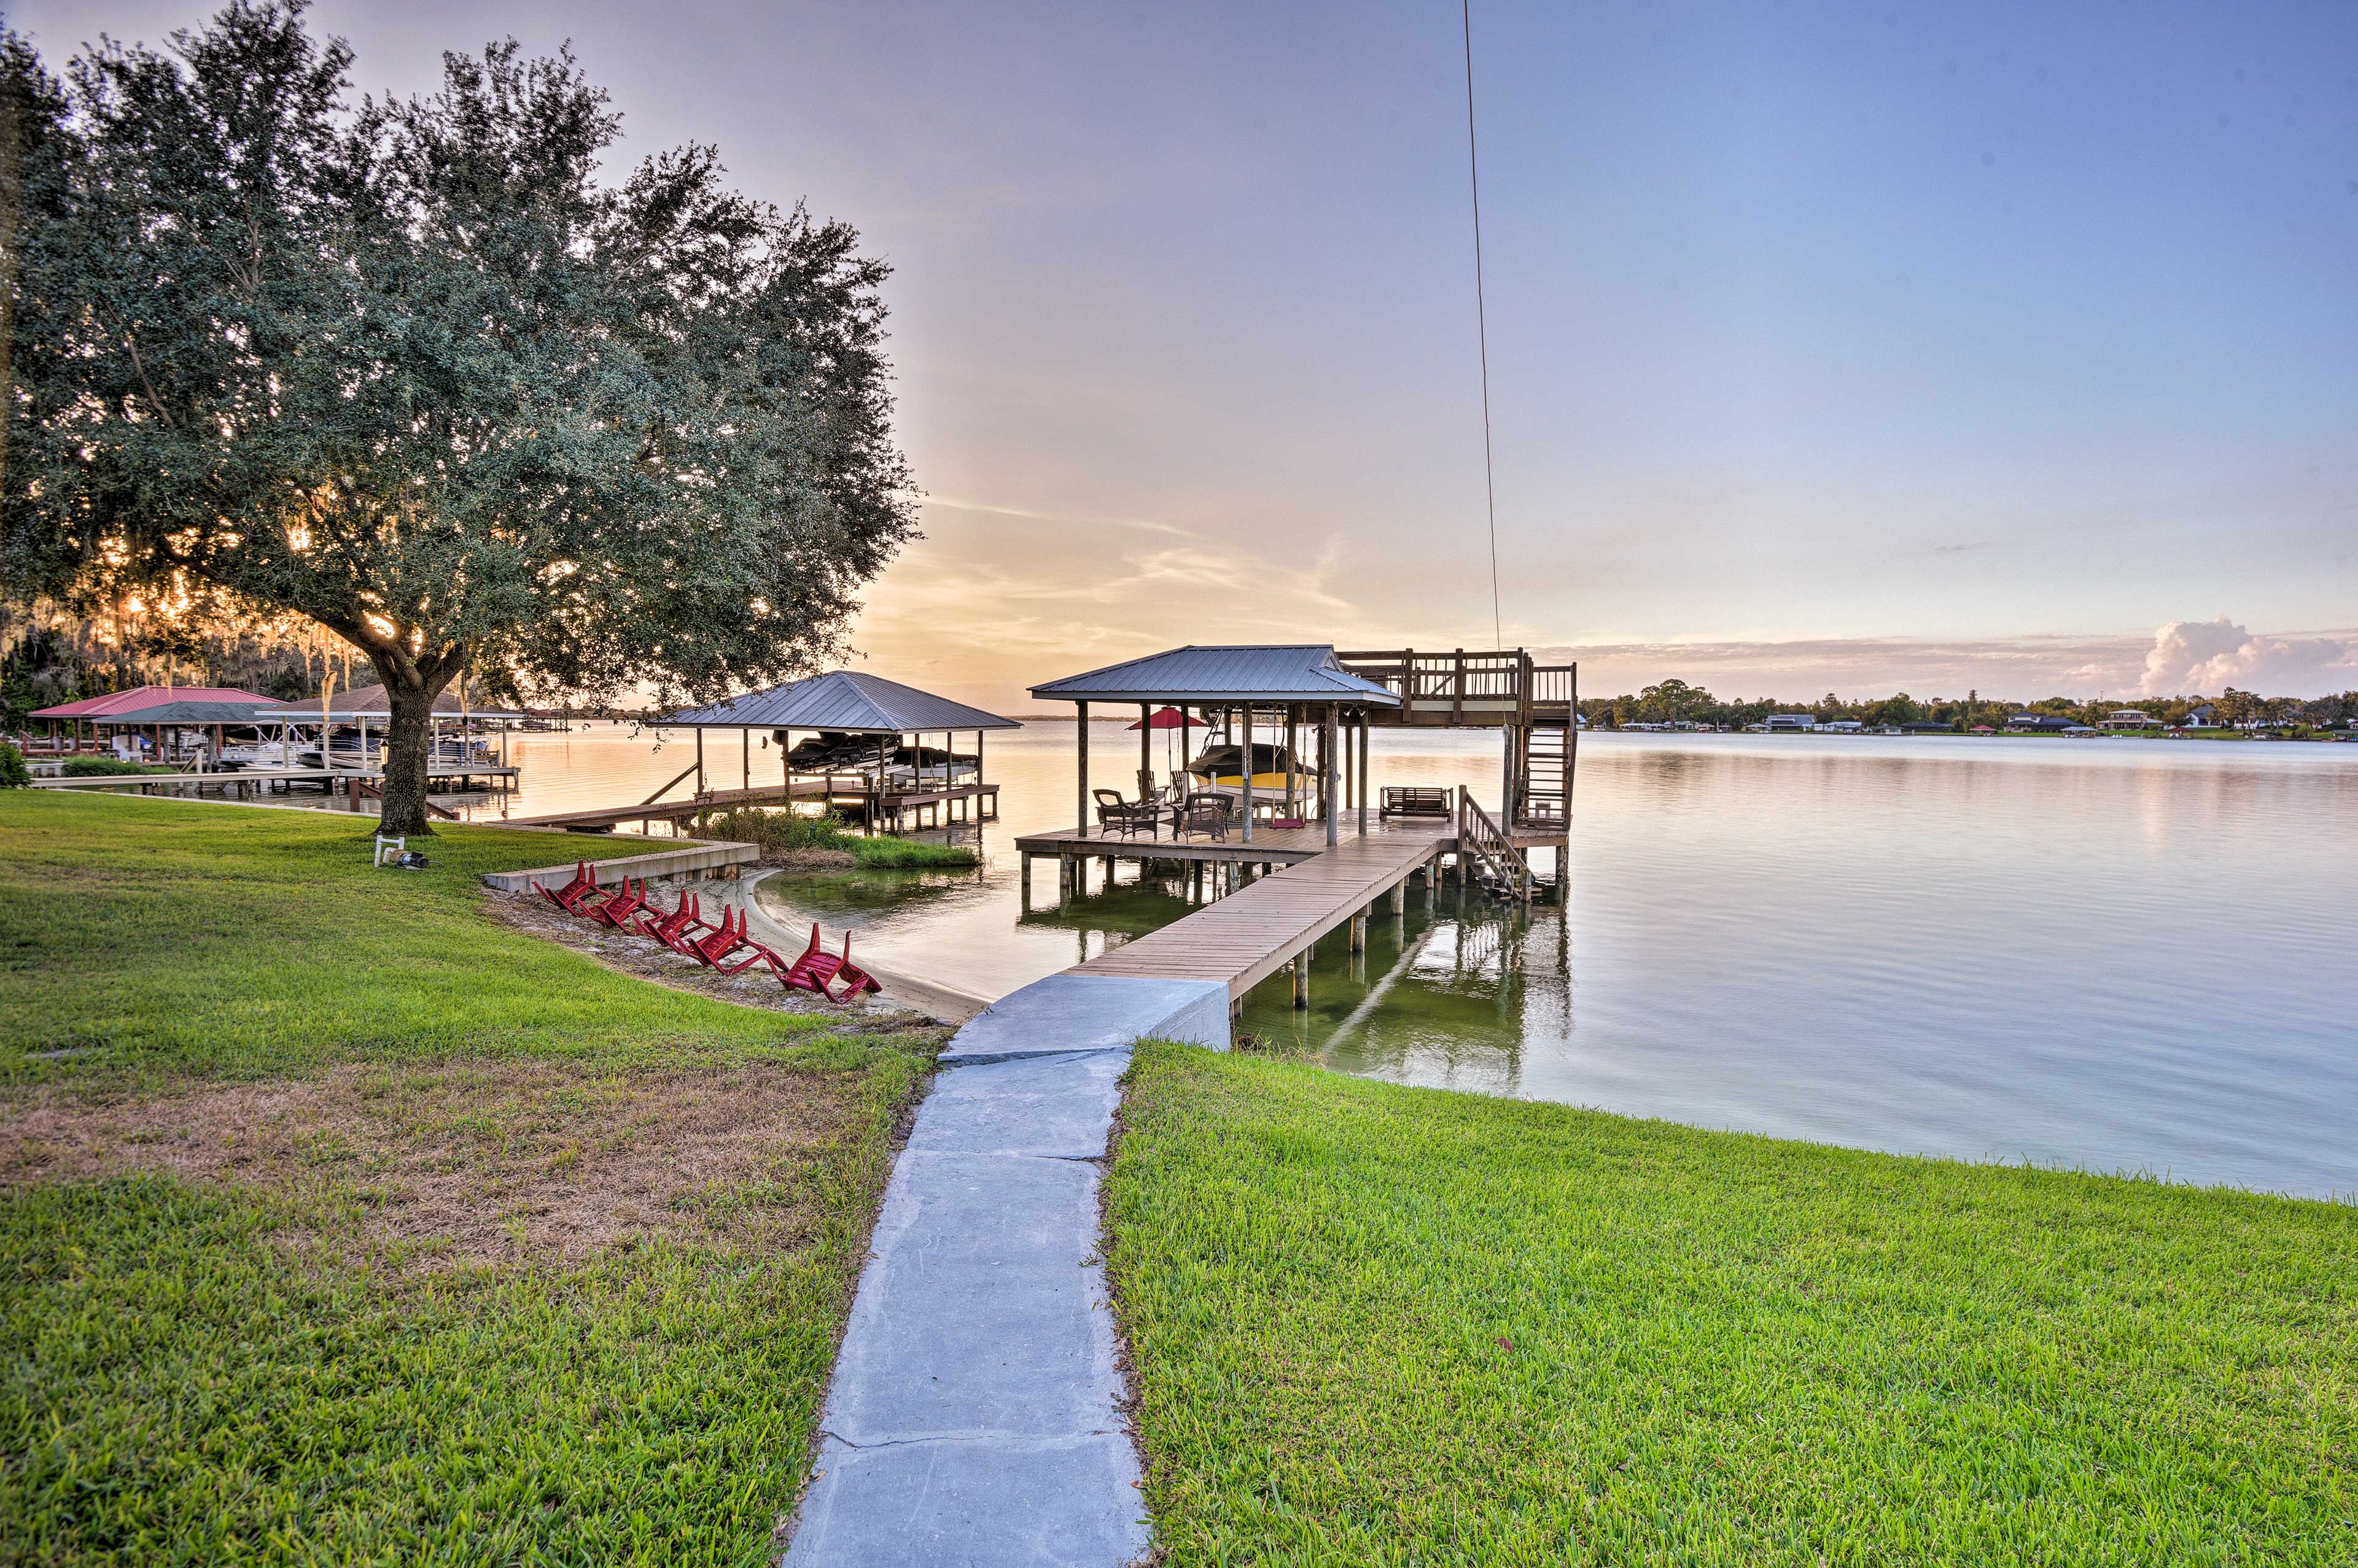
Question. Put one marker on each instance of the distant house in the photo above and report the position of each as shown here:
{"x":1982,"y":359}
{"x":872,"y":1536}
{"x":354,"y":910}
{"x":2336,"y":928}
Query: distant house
{"x":1842,"y":727}
{"x":2130,"y":718}
{"x":1775,"y":721}
{"x":2043,"y":724}
{"x":2201,"y":716}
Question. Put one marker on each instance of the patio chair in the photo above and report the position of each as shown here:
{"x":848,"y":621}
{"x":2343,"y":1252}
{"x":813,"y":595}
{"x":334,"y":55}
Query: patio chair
{"x":1127,"y":818}
{"x":679,"y":927}
{"x":1205,"y":812}
{"x":817,"y":969}
{"x":724,"y":941}
{"x":617,"y":910}
{"x":569,"y":897}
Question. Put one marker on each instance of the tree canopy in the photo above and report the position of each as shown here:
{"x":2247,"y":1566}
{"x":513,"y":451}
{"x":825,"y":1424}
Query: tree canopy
{"x":417,"y":372}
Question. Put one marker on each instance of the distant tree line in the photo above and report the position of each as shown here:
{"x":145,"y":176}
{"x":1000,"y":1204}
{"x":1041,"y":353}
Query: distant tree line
{"x":1675,"y":701}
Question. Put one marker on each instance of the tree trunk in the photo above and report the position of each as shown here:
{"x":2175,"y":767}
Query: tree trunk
{"x":405,"y":744}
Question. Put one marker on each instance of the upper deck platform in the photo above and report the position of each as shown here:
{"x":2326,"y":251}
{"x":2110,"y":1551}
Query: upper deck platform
{"x":1457,"y":688}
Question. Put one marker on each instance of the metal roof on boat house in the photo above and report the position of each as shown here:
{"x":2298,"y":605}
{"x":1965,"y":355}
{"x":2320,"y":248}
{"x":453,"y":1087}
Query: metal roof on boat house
{"x":164,"y":705}
{"x":843,"y":700}
{"x":370,"y":702}
{"x":1296,"y":672}
{"x":188,"y":712}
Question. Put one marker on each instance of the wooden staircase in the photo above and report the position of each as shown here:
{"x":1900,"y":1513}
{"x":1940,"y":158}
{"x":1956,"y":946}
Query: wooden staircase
{"x":1543,"y":779}
{"x":1488,"y":854}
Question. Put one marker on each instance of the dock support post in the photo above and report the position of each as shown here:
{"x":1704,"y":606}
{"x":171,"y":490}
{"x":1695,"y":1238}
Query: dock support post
{"x":1293,"y":763}
{"x":1433,"y":882}
{"x":1246,"y":773}
{"x":1081,"y":789}
{"x":1302,"y":979}
{"x":1360,"y":931}
{"x":1027,"y":884}
{"x":1399,"y":897}
{"x":1363,"y":773}
{"x":1330,"y":803}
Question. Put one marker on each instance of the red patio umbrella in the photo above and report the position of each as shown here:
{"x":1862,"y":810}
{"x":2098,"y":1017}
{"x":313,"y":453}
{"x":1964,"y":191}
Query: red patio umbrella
{"x":1168,"y":719}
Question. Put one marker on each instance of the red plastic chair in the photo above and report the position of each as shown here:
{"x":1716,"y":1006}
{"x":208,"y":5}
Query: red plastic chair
{"x":723,"y":942}
{"x":676,"y":929}
{"x":824,"y":968}
{"x":617,"y":910}
{"x":569,"y":897}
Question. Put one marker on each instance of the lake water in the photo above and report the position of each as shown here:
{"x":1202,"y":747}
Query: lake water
{"x":2120,"y":955}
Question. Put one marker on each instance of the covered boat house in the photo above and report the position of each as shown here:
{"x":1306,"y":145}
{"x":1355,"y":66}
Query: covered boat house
{"x":1287,"y":768}
{"x":867,"y":746}
{"x":1280,"y":691}
{"x":344,"y":722}
{"x":155,"y":721}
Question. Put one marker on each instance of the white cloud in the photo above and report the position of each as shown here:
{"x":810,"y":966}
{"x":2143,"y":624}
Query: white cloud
{"x":1143,"y":525}
{"x":2206,"y":656}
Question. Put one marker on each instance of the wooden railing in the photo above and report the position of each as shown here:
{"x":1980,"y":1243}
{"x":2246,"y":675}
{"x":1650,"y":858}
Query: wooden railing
{"x":1492,"y":688}
{"x":1479,"y":835}
{"x":1555,"y":686}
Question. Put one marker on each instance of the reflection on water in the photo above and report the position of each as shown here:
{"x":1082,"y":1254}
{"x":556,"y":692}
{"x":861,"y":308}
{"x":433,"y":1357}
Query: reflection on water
{"x":2115,"y":955}
{"x":1446,"y":999}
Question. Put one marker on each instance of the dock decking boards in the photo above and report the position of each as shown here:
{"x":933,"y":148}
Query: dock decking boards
{"x":1244,"y":938}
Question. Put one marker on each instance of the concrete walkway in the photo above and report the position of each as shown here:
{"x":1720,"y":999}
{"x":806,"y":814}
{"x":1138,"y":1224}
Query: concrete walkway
{"x":975,"y":1415}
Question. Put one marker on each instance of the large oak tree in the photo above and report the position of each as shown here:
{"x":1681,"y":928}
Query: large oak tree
{"x":418,"y":371}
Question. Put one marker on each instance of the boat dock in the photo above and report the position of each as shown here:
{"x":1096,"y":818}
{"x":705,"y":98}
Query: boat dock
{"x":899,"y":809}
{"x":1273,"y":921}
{"x":1271,"y":900}
{"x":456,"y":777}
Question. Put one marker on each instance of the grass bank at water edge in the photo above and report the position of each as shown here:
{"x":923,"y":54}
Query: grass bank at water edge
{"x":1374,"y":1324}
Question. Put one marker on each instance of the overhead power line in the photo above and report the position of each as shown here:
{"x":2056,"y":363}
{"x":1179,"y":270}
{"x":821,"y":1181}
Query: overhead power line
{"x":1482,"y":325}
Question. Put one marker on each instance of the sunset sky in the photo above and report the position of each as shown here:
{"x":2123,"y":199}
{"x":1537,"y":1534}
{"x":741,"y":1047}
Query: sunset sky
{"x":1841,"y":347}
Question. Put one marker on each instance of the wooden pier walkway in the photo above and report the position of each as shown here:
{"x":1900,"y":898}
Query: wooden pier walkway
{"x":244,"y":778}
{"x":932,"y":806}
{"x":1244,"y":938}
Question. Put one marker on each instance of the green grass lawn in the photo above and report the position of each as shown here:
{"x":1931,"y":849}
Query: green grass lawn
{"x":1386,"y":1325}
{"x":339,"y":1221}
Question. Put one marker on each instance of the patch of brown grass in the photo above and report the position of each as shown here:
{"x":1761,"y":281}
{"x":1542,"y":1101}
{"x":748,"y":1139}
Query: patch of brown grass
{"x":488,"y":1162}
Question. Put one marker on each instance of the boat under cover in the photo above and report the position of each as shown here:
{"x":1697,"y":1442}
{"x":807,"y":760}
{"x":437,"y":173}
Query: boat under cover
{"x":1220,"y":766}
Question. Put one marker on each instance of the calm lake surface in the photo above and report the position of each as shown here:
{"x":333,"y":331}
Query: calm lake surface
{"x":2117,"y":956}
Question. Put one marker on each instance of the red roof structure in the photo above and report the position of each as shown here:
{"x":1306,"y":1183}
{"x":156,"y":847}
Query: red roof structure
{"x":140,"y":698}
